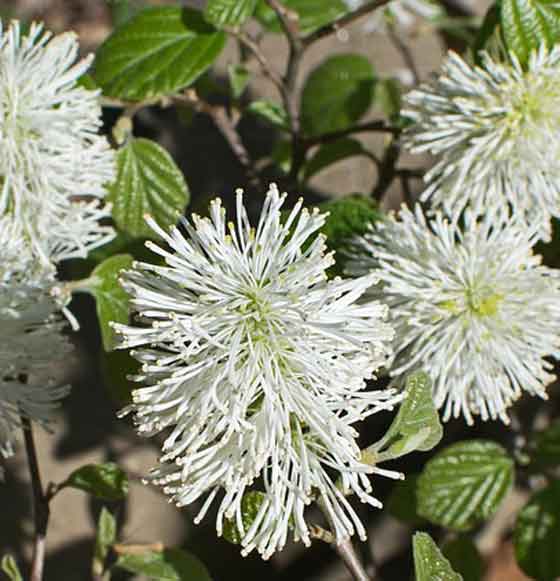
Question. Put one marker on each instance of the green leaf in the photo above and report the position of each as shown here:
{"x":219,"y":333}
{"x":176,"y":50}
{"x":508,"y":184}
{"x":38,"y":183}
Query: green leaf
{"x":148,"y":182}
{"x":488,"y":31}
{"x":429,"y":563}
{"x":166,"y":565}
{"x":526,"y":24}
{"x":106,"y":481}
{"x":464,"y":558}
{"x":536,"y":537}
{"x":229,"y":12}
{"x":388,"y":97}
{"x":312,"y":13}
{"x":546,"y":446}
{"x":337,"y":94}
{"x":9,"y":566}
{"x":417,"y":425}
{"x":238,"y":79}
{"x":158,"y":52}
{"x":273,"y":112}
{"x":402,"y":502}
{"x":116,"y":368}
{"x":250,"y":505}
{"x":110,"y":298}
{"x":464,"y":484}
{"x":106,"y":536}
{"x":330,"y":153}
{"x":347,"y":217}
{"x":281,"y":155}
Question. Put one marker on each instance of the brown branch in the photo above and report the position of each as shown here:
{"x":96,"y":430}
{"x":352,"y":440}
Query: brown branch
{"x":40,"y":504}
{"x":348,"y":556}
{"x":343,"y":21}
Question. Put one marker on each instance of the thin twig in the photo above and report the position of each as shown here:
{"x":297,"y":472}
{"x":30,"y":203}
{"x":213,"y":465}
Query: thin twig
{"x":226,"y":126}
{"x":40,"y":504}
{"x":378,"y":125}
{"x":248,"y":42}
{"x":405,"y":53}
{"x":343,"y":21}
{"x":347,"y":554}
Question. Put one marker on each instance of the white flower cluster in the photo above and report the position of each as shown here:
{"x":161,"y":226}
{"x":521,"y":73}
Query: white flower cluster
{"x":54,"y":168}
{"x":471,"y":306}
{"x":495,"y":128}
{"x":468,"y":298}
{"x":254,"y":365}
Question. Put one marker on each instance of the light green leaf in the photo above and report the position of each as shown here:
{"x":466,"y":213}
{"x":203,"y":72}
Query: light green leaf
{"x":229,"y":12}
{"x":464,"y":484}
{"x":106,"y":536}
{"x":536,"y":537}
{"x":388,"y":96}
{"x":312,"y":13}
{"x":337,"y":93}
{"x":330,"y":153}
{"x":148,"y":182}
{"x":238,"y":79}
{"x":106,"y":481}
{"x":273,"y":112}
{"x":429,"y":563}
{"x":250,"y":505}
{"x":111,"y":300}
{"x":9,"y":566}
{"x":166,"y":565}
{"x":464,"y":558}
{"x":158,"y":52}
{"x":417,"y":425}
{"x":526,"y":24}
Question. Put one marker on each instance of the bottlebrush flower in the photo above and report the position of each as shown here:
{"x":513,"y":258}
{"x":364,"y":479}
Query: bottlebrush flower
{"x":495,"y":130}
{"x":54,"y":166}
{"x":474,"y":308}
{"x":255,"y":366}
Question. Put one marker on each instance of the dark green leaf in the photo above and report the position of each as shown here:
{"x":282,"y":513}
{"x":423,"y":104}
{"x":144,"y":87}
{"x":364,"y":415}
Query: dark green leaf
{"x":238,"y":79}
{"x":116,"y":368}
{"x":464,"y":484}
{"x":106,"y":536}
{"x":158,"y":52}
{"x":250,"y":506}
{"x":9,"y":566}
{"x":229,"y":12}
{"x":282,"y":155}
{"x":402,"y":502}
{"x":429,"y":563}
{"x":464,"y":558}
{"x":148,"y":182}
{"x":166,"y":565}
{"x":337,"y":93}
{"x":417,"y":425}
{"x":312,"y":13}
{"x":273,"y":112}
{"x":526,"y":24}
{"x":110,"y":298}
{"x":487,"y":31}
{"x":330,"y":153}
{"x":347,"y":217}
{"x":106,"y":481}
{"x":536,"y":536}
{"x":546,"y":447}
{"x":123,"y":10}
